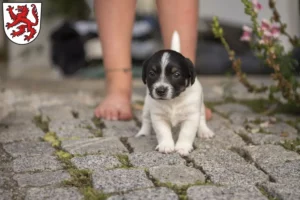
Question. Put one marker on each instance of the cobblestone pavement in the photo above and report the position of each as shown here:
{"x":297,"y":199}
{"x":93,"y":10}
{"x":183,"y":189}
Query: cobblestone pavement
{"x":51,"y":147}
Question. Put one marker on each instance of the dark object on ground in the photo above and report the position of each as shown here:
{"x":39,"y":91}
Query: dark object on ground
{"x":67,"y":49}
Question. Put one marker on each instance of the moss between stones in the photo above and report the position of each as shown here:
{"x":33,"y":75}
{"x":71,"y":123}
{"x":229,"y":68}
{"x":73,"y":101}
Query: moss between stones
{"x":294,"y":124}
{"x":79,"y":178}
{"x":292,"y":145}
{"x":63,"y":154}
{"x":91,"y":194}
{"x":124,"y":160}
{"x":246,"y":138}
{"x":181,"y":191}
{"x":52,"y":139}
{"x":244,"y":154}
{"x":40,"y":123}
{"x":266,"y":194}
{"x":97,"y":132}
{"x":98,"y":123}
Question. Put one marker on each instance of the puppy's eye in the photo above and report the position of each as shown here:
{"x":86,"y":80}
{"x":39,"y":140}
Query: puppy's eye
{"x":176,"y":75}
{"x":152,"y":74}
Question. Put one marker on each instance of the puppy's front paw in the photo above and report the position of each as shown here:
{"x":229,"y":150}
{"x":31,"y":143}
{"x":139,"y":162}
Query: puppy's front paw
{"x":166,"y":146}
{"x":205,"y":132}
{"x":142,"y":133}
{"x":183,"y":148}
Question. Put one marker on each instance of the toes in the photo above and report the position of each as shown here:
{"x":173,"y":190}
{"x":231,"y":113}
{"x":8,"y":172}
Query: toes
{"x":165,"y":147}
{"x":183,"y":148}
{"x":205,"y":133}
{"x":114,"y":114}
{"x":125,"y":114}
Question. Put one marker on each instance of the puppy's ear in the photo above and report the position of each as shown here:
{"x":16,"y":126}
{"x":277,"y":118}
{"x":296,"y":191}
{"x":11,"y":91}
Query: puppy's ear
{"x":144,"y":70}
{"x":192,"y":72}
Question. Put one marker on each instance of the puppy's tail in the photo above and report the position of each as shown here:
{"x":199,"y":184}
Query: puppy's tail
{"x":175,"y":42}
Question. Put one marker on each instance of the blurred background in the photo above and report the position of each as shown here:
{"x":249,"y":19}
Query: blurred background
{"x":68,"y":45}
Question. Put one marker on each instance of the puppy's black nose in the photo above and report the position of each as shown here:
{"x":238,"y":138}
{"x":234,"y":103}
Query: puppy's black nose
{"x":161,"y":91}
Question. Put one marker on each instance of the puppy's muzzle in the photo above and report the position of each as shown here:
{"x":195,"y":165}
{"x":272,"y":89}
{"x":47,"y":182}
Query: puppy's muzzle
{"x":161,"y":91}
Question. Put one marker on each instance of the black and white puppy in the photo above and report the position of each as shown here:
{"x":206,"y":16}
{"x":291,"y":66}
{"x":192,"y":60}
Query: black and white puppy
{"x":174,"y":96}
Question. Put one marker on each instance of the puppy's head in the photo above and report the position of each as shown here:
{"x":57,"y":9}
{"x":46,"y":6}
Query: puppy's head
{"x":167,"y":74}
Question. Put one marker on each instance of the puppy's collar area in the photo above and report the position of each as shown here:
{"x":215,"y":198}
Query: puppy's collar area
{"x":125,"y":70}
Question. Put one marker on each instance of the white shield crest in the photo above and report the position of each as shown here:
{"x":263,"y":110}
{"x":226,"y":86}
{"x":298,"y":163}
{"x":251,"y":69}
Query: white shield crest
{"x":22,"y":21}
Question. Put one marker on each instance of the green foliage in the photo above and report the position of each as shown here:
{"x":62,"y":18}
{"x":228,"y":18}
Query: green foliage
{"x":293,"y":145}
{"x":271,"y":52}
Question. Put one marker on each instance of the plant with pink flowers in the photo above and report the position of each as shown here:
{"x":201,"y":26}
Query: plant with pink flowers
{"x":263,"y":38}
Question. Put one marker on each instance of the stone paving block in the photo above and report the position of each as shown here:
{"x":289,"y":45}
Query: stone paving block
{"x":82,"y":112}
{"x":224,"y":139}
{"x":36,"y":163}
{"x":6,"y":181}
{"x":19,"y":117}
{"x":218,"y":123}
{"x":287,"y":191}
{"x":160,"y":193}
{"x":154,"y":158}
{"x":57,"y":112}
{"x":224,"y":193}
{"x":41,"y":179}
{"x":20,"y":132}
{"x":120,"y":128}
{"x":5,"y":194}
{"x":282,"y":129}
{"x":120,"y":180}
{"x":280,"y":164}
{"x":241,"y":118}
{"x":138,"y":114}
{"x":70,"y":129}
{"x":262,"y":138}
{"x":111,"y":145}
{"x":53,"y":193}
{"x":143,"y":144}
{"x":230,"y":108}
{"x":94,"y":162}
{"x":179,"y":175}
{"x":226,"y":167}
{"x":271,"y":155}
{"x":28,"y":148}
{"x":287,"y":118}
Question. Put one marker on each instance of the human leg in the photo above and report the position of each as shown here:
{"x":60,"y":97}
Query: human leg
{"x":115,"y":22}
{"x":181,"y":16}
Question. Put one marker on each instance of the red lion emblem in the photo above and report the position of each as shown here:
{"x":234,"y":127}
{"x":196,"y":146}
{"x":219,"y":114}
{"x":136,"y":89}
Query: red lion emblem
{"x":21,"y":17}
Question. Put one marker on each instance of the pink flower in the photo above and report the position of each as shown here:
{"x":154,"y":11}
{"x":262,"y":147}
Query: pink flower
{"x":256,"y":5}
{"x":270,"y":30}
{"x":265,"y":25}
{"x":246,"y":34}
{"x":275,"y":30}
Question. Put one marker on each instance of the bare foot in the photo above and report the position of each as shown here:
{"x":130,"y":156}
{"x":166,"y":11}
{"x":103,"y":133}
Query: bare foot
{"x":208,"y":113}
{"x":115,"y":106}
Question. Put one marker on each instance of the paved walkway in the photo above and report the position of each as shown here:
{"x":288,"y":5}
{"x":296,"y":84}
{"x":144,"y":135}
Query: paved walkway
{"x":51,"y":147}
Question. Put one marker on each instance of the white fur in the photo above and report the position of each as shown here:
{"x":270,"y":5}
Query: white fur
{"x":175,"y":43}
{"x":162,"y":80}
{"x":187,"y":110}
{"x":165,"y":59}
